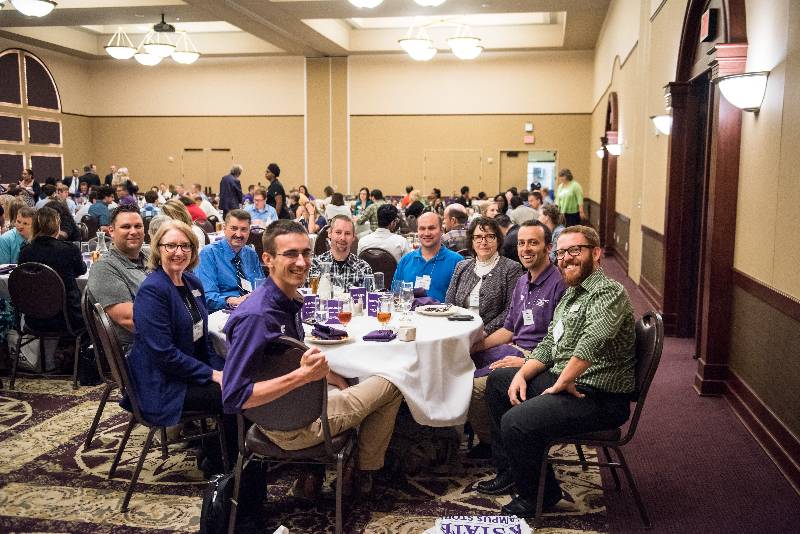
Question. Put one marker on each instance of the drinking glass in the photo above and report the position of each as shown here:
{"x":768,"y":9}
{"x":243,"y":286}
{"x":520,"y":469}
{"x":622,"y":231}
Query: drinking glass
{"x":407,"y":297}
{"x":338,"y":286}
{"x":369,"y":283}
{"x":385,"y":310}
{"x":346,"y":310}
{"x":313,"y":280}
{"x":258,"y":282}
{"x":397,"y":291}
{"x":378,"y":281}
{"x":321,"y":311}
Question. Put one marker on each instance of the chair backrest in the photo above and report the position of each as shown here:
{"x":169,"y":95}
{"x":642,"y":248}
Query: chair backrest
{"x":92,"y":225}
{"x":411,"y":222}
{"x":205,"y":225}
{"x":93,"y":242}
{"x":381,"y":261}
{"x":321,"y":245}
{"x":89,"y":317}
{"x":84,"y":231}
{"x":213,"y":220}
{"x":296,"y":409}
{"x":37,"y":291}
{"x":112,"y":350}
{"x":255,"y":239}
{"x":206,"y":239}
{"x":147,"y":221}
{"x":465,"y":252}
{"x":649,"y":345}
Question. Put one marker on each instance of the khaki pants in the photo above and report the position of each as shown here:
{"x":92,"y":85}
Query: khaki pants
{"x":373,"y":404}
{"x":478,"y":415}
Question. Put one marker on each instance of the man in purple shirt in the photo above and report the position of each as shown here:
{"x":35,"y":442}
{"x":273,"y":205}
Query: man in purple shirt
{"x":535,"y":298}
{"x":273,"y":310}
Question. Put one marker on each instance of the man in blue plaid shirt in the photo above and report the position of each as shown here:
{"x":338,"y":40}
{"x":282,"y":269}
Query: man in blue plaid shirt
{"x":344,"y":264}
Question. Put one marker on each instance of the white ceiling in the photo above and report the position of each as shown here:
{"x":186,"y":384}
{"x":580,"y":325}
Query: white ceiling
{"x":311,"y":28}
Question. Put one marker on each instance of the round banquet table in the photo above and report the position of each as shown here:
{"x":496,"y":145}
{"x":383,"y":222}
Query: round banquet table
{"x":434,"y":372}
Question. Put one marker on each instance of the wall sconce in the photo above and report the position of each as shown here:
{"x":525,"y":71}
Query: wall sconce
{"x":600,"y":152}
{"x":615,"y":149}
{"x":745,"y":91}
{"x":663,"y":123}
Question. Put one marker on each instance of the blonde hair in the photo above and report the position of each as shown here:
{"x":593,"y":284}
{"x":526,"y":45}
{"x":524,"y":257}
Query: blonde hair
{"x":174,"y":209}
{"x":415,"y":195}
{"x":155,"y":248}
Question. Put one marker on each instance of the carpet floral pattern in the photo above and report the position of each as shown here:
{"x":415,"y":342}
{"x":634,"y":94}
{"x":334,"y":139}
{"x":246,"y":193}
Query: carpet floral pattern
{"x":50,"y":483}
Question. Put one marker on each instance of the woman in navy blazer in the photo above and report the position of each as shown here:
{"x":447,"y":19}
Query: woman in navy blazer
{"x":172,"y":362}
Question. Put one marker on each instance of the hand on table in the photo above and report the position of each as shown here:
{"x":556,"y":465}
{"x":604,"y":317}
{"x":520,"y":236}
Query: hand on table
{"x":508,"y":361}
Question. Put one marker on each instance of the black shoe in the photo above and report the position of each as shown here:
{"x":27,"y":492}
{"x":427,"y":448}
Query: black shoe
{"x":499,"y":485}
{"x":525,"y":507}
{"x":481,"y":451}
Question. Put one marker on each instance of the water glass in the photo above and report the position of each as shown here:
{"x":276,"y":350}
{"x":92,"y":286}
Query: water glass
{"x":378,"y":281}
{"x":385,"y":310}
{"x":258,"y":282}
{"x":321,"y":311}
{"x":369,"y":283}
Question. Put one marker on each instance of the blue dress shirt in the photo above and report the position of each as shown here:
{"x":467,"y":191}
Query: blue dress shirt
{"x":100,"y":210}
{"x":10,"y":243}
{"x":268,"y":214}
{"x":440,"y":268}
{"x":218,"y":274}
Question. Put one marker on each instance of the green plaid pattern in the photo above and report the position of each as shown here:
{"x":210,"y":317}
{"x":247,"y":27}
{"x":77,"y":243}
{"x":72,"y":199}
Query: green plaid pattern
{"x":599,"y":328}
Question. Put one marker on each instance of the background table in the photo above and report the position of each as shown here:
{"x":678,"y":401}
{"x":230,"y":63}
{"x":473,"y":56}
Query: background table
{"x":434,"y":373}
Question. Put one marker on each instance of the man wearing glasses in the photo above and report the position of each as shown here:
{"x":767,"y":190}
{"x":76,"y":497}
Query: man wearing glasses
{"x":274,"y":310}
{"x":228,"y":268}
{"x":578,"y":379}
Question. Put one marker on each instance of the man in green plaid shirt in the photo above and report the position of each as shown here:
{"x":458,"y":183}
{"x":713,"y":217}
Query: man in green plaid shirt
{"x":578,"y":379}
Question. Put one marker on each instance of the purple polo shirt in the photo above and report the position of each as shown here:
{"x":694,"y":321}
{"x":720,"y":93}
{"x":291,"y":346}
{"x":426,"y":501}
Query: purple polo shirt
{"x":266,"y":315}
{"x":540,"y":296}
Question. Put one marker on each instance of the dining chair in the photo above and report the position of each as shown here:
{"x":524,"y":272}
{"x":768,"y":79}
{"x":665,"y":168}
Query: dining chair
{"x":649,"y":345}
{"x":381,"y":261}
{"x":294,"y":410}
{"x":92,"y":225}
{"x":321,"y":245}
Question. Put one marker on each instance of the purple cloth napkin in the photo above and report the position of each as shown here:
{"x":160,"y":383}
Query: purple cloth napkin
{"x":420,"y":292}
{"x":7,"y":269}
{"x":380,"y":335}
{"x":322,"y":331}
{"x":423,"y":301}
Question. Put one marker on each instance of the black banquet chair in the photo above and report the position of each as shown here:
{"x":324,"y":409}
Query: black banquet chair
{"x":255,"y":239}
{"x":321,"y":245}
{"x":296,"y":409}
{"x":119,"y":369}
{"x":649,"y":344}
{"x":381,"y":261}
{"x":37,"y":292}
{"x":92,"y":225}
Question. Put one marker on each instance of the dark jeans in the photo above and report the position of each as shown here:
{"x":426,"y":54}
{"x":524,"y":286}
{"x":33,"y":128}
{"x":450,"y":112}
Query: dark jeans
{"x":520,"y":434}
{"x":208,"y":398}
{"x":571,"y":219}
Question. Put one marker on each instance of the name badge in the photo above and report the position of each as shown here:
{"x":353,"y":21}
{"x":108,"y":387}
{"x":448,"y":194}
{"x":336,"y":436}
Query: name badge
{"x":527,"y":317}
{"x":474,"y":300}
{"x":246,"y":285}
{"x":195,"y":292}
{"x":423,"y":281}
{"x":197,"y":330}
{"x":558,"y":331}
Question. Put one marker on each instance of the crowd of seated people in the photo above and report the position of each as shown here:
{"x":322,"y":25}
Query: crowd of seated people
{"x":556,"y":348}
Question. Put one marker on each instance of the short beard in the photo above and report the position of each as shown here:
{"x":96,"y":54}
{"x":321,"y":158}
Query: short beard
{"x":586,"y":269}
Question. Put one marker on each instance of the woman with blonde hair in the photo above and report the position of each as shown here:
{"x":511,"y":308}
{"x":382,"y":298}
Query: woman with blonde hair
{"x":174,"y":209}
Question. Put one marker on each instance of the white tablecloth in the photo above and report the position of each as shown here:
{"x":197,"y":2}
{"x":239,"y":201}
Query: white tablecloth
{"x":4,"y":294}
{"x":434,"y":373}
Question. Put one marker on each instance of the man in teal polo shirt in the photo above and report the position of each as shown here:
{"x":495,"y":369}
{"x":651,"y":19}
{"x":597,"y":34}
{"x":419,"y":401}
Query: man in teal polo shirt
{"x":431,"y":266}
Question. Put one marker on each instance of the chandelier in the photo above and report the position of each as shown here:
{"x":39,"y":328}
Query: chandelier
{"x":369,"y":4}
{"x":419,"y":46}
{"x":32,"y":8}
{"x":158,"y":44}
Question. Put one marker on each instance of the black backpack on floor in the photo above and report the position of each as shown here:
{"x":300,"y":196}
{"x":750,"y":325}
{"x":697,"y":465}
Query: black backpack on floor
{"x":216,"y":509}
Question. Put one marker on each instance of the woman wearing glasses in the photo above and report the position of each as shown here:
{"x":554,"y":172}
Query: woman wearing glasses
{"x":485,"y":282}
{"x":172,"y":362}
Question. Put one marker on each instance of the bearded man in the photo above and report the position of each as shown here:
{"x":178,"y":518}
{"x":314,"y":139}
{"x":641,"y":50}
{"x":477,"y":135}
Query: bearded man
{"x":578,"y":379}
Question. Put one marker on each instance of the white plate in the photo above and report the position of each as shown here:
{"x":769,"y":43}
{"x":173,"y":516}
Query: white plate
{"x":437,"y":310}
{"x":317,"y":341}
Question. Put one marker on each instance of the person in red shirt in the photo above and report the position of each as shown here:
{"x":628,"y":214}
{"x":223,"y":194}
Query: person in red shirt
{"x":194,"y":210}
{"x":407,"y":199}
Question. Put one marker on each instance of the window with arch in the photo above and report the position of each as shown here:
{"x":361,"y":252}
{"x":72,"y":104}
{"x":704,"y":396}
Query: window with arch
{"x":30,"y":118}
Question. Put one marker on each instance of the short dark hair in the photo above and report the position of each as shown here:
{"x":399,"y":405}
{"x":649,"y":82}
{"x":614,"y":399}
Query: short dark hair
{"x":409,"y":188}
{"x":274,"y":169}
{"x":486,"y":224}
{"x":387,"y":214}
{"x":457,"y":212}
{"x":552,"y":212}
{"x":48,"y":190}
{"x":150,"y":197}
{"x":566,"y":173}
{"x":278,"y":228}
{"x":123,"y":208}
{"x":537,"y":195}
{"x":503,"y":220}
{"x":328,"y":191}
{"x":548,"y":235}
{"x":516,"y":202}
{"x":377,"y":194}
{"x":464,"y":189}
{"x":337,"y":199}
{"x":242,"y":215}
{"x":105,"y":191}
{"x":340,"y":218}
{"x":437,"y":192}
{"x":186,"y":201}
{"x":45,"y":222}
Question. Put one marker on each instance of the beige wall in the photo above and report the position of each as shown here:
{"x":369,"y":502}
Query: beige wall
{"x":529,"y":82}
{"x":388,"y":151}
{"x":618,"y":36}
{"x":767,"y":242}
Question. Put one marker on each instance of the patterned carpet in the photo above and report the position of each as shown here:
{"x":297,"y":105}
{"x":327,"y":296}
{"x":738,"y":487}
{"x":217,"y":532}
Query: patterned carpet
{"x":49,"y":483}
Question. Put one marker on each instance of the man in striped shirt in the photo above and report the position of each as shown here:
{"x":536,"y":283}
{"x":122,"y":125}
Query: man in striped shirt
{"x":578,"y":379}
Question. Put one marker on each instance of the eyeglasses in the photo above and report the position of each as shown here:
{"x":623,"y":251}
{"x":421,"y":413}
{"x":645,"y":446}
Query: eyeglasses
{"x":485,"y":238}
{"x":573,"y":251}
{"x":172,"y":247}
{"x":294,"y":254}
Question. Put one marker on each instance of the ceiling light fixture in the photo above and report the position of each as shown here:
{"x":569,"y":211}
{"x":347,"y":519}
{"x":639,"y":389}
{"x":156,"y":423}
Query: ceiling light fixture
{"x":663,"y":123}
{"x":145,"y":58}
{"x":34,"y":8}
{"x":600,"y":152}
{"x":157,"y":42}
{"x":185,"y":52}
{"x":369,"y":4}
{"x":120,"y":46}
{"x":745,"y":91}
{"x":465,"y":46}
{"x":420,"y":48}
{"x":430,"y":3}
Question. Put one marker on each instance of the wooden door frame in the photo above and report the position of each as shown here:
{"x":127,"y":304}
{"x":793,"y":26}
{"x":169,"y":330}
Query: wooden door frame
{"x":608,"y":179}
{"x":715,"y":273}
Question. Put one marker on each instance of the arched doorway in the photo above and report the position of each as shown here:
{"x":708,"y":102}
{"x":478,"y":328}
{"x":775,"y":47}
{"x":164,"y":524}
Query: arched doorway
{"x":608,"y":177}
{"x":702,"y":188}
